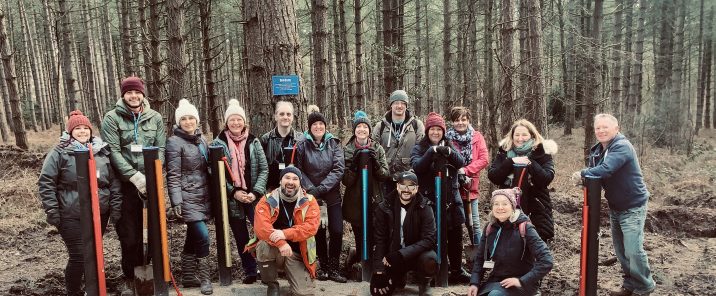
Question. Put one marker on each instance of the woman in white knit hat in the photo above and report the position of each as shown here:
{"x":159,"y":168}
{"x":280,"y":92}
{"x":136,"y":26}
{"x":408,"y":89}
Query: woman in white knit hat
{"x":188,"y":187}
{"x":249,"y":173}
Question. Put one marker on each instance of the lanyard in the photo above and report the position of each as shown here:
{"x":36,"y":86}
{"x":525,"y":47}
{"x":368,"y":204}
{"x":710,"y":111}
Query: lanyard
{"x":290,"y":221}
{"x":136,"y":126}
{"x":494,"y":243}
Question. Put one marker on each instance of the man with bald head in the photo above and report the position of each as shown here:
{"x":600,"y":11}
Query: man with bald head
{"x":614,"y":160}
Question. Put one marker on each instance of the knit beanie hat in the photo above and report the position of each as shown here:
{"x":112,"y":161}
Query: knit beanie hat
{"x":234,"y":109}
{"x":132,"y":83}
{"x":510,"y":193}
{"x":398,"y":95}
{"x":186,"y":109}
{"x":76,"y":119}
{"x":360,"y":117}
{"x":434,"y":119}
{"x":314,"y":114}
{"x":291,"y":169}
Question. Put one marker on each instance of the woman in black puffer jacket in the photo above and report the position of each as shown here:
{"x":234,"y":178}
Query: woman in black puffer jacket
{"x":524,"y":146}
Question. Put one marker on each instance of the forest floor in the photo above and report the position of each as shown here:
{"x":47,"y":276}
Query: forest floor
{"x":680,"y":228}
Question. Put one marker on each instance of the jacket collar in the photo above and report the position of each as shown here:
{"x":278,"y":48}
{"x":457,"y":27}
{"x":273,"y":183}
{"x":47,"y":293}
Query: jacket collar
{"x":273,"y":198}
{"x":122,"y":109}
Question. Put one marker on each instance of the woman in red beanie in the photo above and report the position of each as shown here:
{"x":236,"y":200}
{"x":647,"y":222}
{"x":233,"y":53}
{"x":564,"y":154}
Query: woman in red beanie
{"x":58,"y":192}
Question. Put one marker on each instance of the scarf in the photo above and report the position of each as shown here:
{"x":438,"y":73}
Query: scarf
{"x":523,"y":150}
{"x":299,"y":194}
{"x":462,"y":141}
{"x":238,"y":157}
{"x":359,"y":146}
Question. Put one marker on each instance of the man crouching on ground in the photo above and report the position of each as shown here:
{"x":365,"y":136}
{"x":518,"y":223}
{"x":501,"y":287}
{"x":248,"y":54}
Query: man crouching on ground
{"x":286,"y":221}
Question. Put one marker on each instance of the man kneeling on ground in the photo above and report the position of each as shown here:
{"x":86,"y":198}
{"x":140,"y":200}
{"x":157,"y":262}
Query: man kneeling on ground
{"x":405,"y":239}
{"x":286,"y":221}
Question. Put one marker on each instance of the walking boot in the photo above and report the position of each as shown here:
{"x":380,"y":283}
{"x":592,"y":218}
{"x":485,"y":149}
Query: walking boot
{"x":322,"y":271}
{"x":188,"y":271}
{"x":459,"y":276}
{"x":424,"y":287}
{"x":333,"y":271}
{"x":269,"y":275}
{"x":204,"y":274}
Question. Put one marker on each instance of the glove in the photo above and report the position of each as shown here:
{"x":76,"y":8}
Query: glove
{"x":576,"y":178}
{"x":443,"y":150}
{"x":380,"y":281}
{"x":177,"y":211}
{"x":324,"y":216}
{"x":114,"y":217}
{"x":395,"y":259}
{"x":53,"y":218}
{"x":140,"y":182}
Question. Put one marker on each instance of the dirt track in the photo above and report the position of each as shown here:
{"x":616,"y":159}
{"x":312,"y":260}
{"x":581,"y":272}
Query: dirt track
{"x":680,"y":238}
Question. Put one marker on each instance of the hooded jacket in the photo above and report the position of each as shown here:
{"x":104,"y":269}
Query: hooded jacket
{"x":121,"y":129}
{"x":479,"y":161}
{"x":272,"y":143}
{"x":322,"y":167}
{"x":618,"y":166}
{"x":528,"y":260}
{"x":535,"y":200}
{"x":418,"y":229}
{"x":423,"y":157}
{"x":352,"y":199}
{"x":256,"y":173}
{"x":188,"y":174}
{"x":398,"y":151}
{"x":58,"y":181}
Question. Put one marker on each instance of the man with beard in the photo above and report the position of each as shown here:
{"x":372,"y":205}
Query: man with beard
{"x":405,"y":239}
{"x":279,"y":142}
{"x":286,"y":221}
{"x":128,"y":128}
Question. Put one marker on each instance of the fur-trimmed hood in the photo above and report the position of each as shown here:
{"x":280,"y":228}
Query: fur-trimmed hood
{"x":550,"y":146}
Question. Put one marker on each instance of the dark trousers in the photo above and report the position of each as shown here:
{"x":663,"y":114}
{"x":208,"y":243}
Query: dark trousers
{"x":358,"y":235}
{"x":197,"y":239}
{"x":241,"y":234}
{"x":334,"y":244}
{"x":72,"y":236}
{"x":129,"y":229}
{"x":425,"y":265}
{"x":454,"y":247}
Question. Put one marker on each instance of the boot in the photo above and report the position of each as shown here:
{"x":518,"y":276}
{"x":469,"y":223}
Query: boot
{"x":188,"y":271}
{"x":333,"y":273}
{"x":126,"y":288}
{"x":424,"y":287}
{"x":621,"y":292}
{"x":269,"y":276}
{"x":322,"y":271}
{"x":459,"y":276}
{"x":204,"y":274}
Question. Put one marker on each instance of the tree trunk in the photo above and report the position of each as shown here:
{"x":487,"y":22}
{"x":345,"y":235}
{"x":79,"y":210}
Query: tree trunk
{"x":90,"y":87}
{"x":273,"y":49}
{"x":126,"y":37}
{"x":389,"y":48}
{"x":676,"y":118}
{"x":6,"y":54}
{"x":506,"y":91}
{"x":175,"y":55}
{"x":591,"y":91}
{"x":447,"y":58}
{"x":341,"y":93}
{"x":66,"y":55}
{"x":490,"y":125}
{"x":708,"y":52}
{"x":359,"y":79}
{"x":626,"y":74}
{"x":568,"y":67}
{"x":155,"y":84}
{"x":348,"y":75}
{"x":534,"y":107}
{"x":214,"y":106}
{"x":615,"y":94}
{"x":634,"y":103}
{"x":319,"y":15}
{"x":29,"y":47}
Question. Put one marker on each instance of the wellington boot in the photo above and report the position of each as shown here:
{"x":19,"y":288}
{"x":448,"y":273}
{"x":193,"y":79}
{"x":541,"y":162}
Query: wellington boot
{"x":204,"y":274}
{"x":188,"y":271}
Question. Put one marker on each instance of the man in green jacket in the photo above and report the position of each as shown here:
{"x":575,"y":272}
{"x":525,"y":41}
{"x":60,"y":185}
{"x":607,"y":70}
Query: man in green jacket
{"x":129,"y":127}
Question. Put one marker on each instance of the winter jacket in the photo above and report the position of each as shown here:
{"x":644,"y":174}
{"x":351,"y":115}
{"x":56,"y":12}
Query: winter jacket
{"x":257,"y":173}
{"x":528,"y":259}
{"x":58,"y":181}
{"x":272,"y":143}
{"x":418,"y":229}
{"x":188,"y":174}
{"x":618,"y":166}
{"x":306,"y":217}
{"x":423,"y":157}
{"x":535,"y":200}
{"x":353,"y":199}
{"x":398,"y":151}
{"x":118,"y":131}
{"x":322,"y":167}
{"x":480,"y":159}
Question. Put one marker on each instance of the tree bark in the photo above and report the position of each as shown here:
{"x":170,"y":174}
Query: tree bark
{"x":447,"y":58}
{"x":506,"y":91}
{"x":6,"y":54}
{"x":29,"y":47}
{"x":359,"y":79}
{"x":319,"y":15}
{"x":589,"y":102}
{"x":635,"y":93}
{"x":126,"y":37}
{"x":626,"y":74}
{"x":175,"y":55}
{"x":615,"y":94}
{"x":155,"y":84}
{"x":341,"y":93}
{"x":66,"y":55}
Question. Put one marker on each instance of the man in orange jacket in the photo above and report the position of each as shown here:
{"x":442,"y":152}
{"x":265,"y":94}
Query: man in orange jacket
{"x":286,"y":221}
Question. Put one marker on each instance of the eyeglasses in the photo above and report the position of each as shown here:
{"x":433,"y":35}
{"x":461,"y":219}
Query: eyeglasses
{"x":407,"y":187}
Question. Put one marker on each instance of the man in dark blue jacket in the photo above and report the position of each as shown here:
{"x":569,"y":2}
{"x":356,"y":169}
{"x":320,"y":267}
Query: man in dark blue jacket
{"x":614,"y":160}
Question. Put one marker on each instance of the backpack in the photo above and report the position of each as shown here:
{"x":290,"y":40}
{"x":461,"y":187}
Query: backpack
{"x":523,"y":231}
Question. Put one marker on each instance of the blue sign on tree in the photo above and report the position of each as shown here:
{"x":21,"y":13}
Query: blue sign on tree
{"x":285,"y":85}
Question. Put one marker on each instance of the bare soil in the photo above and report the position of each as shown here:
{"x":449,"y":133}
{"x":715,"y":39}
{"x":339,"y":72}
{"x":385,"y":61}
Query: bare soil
{"x":680,"y":228}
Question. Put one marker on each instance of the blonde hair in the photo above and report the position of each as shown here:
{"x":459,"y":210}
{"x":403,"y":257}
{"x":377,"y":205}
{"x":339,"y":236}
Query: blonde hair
{"x":506,"y":142}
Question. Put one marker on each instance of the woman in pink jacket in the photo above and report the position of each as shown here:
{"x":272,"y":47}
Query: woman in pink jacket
{"x":472,"y":146}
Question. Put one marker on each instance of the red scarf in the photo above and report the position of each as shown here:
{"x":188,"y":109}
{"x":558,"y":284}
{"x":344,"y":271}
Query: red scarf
{"x":238,"y":158}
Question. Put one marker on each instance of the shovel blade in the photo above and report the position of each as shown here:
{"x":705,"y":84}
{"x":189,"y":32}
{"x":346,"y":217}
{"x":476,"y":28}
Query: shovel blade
{"x":144,"y":280}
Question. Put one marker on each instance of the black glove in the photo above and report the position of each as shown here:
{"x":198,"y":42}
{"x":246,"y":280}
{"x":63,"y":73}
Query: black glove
{"x":380,"y":281}
{"x":53,"y":218}
{"x":395,"y":259}
{"x":443,"y":150}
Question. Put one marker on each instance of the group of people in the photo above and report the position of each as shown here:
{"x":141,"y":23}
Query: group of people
{"x":286,"y":185}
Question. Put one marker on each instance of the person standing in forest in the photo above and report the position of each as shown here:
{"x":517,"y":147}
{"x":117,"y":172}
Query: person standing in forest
{"x":614,"y":160}
{"x":188,"y":186}
{"x":471,"y":145}
{"x":320,"y":157}
{"x":398,"y":132}
{"x":524,"y":160}
{"x":277,"y":141}
{"x":128,"y":128}
{"x":60,"y":199}
{"x":248,"y":172}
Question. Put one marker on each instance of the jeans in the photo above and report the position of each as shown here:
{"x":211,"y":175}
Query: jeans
{"x":628,"y":237}
{"x":72,"y":236}
{"x":197,"y":239}
{"x":475,"y":212}
{"x":241,"y":235}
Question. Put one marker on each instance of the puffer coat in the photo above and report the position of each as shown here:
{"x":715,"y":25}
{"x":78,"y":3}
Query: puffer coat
{"x":322,"y":167}
{"x":188,"y":174}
